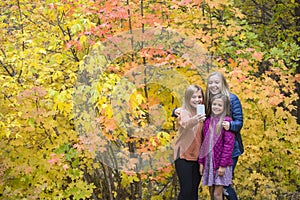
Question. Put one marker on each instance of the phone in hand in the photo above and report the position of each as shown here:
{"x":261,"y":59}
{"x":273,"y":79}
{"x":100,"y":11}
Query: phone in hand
{"x":200,"y":109}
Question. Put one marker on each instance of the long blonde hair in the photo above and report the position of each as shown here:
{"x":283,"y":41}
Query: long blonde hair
{"x":226,"y":111}
{"x":189,"y":92}
{"x":224,"y":90}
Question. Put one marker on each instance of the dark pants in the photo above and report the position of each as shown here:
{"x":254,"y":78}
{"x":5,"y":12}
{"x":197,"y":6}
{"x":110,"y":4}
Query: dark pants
{"x":189,"y":179}
{"x":231,"y":194}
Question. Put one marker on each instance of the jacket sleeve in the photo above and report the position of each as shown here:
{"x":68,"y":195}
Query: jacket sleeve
{"x":201,"y":160}
{"x":236,"y":114}
{"x":226,"y":157}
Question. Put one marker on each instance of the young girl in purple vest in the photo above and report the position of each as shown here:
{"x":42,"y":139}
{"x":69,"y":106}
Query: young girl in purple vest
{"x":217,"y":146}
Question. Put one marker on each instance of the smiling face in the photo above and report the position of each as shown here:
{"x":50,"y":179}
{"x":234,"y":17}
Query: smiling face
{"x":196,"y":98}
{"x":214,"y":84}
{"x":217,"y":106}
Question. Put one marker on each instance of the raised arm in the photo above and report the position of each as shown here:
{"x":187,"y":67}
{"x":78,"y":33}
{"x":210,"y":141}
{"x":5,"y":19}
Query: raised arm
{"x":185,"y":120}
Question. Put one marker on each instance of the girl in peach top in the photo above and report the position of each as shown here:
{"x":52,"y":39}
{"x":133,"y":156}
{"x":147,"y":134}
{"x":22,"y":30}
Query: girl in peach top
{"x":187,"y":146}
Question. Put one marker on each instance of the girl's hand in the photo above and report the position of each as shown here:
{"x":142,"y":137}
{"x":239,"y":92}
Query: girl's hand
{"x":226,"y":125}
{"x":200,"y":117}
{"x":177,"y":112}
{"x":201,"y":169}
{"x":221,"y":171}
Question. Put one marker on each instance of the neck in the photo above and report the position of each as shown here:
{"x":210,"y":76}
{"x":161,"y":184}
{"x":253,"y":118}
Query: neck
{"x":213,"y":115}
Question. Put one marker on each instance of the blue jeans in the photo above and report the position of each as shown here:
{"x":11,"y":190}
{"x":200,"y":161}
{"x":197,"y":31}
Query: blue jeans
{"x":229,"y":190}
{"x":189,"y":179}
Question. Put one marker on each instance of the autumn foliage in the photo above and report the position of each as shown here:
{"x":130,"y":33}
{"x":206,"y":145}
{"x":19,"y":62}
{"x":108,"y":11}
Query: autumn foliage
{"x":88,"y":87}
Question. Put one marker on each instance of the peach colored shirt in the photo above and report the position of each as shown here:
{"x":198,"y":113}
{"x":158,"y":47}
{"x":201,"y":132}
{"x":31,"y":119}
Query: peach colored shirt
{"x":189,"y":139}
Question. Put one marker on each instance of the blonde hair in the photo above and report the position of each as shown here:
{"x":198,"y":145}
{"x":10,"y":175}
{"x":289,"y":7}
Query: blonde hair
{"x":224,"y":90}
{"x":226,"y":111}
{"x":189,"y":92}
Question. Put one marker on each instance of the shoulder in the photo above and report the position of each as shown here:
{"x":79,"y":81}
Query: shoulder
{"x":207,"y":121}
{"x":182,"y":112}
{"x":234,"y":100}
{"x":233,"y":97}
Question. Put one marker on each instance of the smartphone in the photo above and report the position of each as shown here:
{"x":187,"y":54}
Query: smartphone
{"x":200,"y":109}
